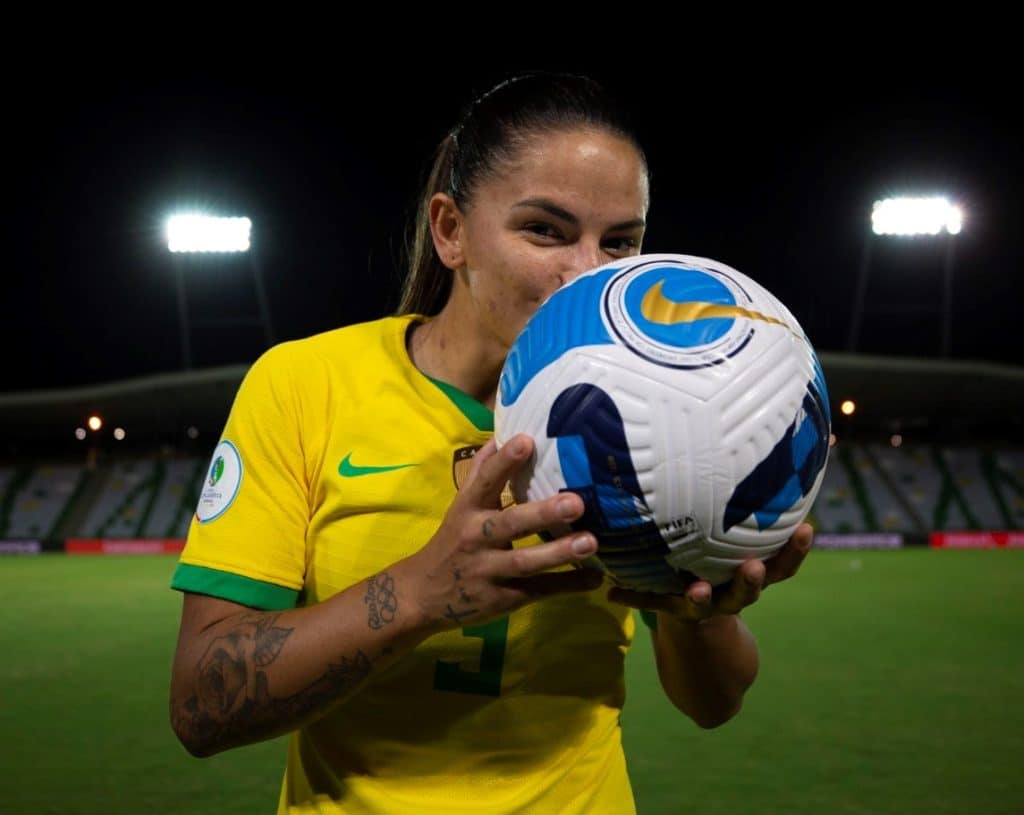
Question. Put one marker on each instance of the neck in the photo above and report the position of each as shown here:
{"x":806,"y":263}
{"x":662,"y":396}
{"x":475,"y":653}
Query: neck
{"x":459,"y":352}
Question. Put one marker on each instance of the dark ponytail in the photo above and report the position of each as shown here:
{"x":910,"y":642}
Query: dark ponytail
{"x":488,"y":135}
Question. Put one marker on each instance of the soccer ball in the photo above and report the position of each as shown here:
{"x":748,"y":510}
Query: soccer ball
{"x":683,"y":403}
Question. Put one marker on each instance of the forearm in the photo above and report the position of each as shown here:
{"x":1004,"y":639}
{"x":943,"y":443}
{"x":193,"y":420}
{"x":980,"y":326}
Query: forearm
{"x":706,"y":667}
{"x":255,"y":675}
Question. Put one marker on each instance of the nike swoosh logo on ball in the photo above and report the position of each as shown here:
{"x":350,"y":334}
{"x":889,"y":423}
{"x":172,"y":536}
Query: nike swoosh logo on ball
{"x":657,"y":308}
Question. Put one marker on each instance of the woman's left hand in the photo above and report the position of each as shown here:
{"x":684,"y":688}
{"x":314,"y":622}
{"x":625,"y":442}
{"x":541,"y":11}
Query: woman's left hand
{"x":701,"y":601}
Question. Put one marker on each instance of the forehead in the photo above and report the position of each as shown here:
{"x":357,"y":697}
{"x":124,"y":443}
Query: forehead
{"x":585,"y":166}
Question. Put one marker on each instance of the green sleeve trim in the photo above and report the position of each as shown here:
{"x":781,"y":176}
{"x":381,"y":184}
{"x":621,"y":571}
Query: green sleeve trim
{"x":650,"y":618}
{"x":233,"y":587}
{"x":480,"y":415}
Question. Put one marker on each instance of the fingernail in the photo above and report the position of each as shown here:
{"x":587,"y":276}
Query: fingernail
{"x":584,"y":545}
{"x":567,"y":507}
{"x":517,"y":446}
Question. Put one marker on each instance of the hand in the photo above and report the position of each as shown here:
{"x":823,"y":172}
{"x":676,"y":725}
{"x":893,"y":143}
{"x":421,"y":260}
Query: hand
{"x":469,"y":572}
{"x":701,"y":601}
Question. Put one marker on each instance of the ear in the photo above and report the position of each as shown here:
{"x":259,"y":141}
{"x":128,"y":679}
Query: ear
{"x":446,"y":226}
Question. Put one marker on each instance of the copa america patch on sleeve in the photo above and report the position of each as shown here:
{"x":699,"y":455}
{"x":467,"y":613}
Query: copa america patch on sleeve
{"x":220,"y":488}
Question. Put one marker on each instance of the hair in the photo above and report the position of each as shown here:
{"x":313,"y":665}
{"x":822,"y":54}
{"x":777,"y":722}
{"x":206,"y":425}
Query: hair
{"x":488,"y":135}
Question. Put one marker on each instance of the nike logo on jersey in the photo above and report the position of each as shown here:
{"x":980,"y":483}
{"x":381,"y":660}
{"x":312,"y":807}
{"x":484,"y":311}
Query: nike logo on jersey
{"x":349,"y":470}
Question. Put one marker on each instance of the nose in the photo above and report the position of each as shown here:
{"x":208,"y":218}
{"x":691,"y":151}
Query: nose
{"x":585,"y":255}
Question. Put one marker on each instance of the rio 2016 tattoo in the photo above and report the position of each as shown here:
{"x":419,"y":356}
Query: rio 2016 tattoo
{"x":232,"y":703}
{"x":380,"y":600}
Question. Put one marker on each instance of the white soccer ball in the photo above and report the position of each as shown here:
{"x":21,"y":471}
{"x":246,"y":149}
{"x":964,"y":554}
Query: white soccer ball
{"x":684,"y":404}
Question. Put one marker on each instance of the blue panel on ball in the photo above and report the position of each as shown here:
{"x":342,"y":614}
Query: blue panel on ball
{"x":789,"y":471}
{"x":779,"y":503}
{"x":588,"y":427}
{"x":570,"y":318}
{"x":572,"y":458}
{"x":619,"y":507}
{"x":587,"y":413}
{"x":820,"y":392}
{"x":805,"y":441}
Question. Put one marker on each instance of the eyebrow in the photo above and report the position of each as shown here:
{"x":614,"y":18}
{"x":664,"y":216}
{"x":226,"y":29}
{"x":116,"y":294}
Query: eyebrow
{"x":553,"y":209}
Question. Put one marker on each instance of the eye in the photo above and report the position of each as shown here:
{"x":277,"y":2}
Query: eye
{"x":622,"y":245}
{"x":543,"y":230}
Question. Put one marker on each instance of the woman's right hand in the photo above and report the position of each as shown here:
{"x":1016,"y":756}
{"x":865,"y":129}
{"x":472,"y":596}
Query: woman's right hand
{"x":241,"y":675}
{"x":470,"y":573}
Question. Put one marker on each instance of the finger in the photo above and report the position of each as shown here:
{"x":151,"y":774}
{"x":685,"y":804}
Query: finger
{"x":531,"y":518}
{"x":531,"y":560}
{"x":695,"y":604}
{"x":492,"y":468}
{"x":786,"y":563}
{"x":545,"y":585}
{"x":744,"y":588}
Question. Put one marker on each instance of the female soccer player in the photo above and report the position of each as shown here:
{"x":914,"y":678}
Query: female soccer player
{"x":351,"y":576}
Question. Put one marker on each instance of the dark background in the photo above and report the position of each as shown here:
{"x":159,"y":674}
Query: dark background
{"x":766,"y":159}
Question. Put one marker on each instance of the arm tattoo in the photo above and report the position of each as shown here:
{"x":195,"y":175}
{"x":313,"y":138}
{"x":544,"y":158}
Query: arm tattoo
{"x":232,"y":703}
{"x":380,"y":599}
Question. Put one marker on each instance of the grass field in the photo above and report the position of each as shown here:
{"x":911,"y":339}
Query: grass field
{"x":891,"y":682}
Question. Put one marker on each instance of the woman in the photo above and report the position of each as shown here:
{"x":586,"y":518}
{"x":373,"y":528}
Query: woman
{"x":351,"y":574}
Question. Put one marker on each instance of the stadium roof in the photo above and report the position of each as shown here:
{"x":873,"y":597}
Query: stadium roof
{"x":938,"y":398}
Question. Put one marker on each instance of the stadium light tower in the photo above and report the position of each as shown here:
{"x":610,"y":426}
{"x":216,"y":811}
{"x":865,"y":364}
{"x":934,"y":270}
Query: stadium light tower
{"x":192,"y":233}
{"x":910,"y":217}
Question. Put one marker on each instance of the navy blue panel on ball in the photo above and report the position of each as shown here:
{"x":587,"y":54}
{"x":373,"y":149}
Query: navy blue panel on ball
{"x":820,"y":392}
{"x":596,"y":464}
{"x":588,"y":413}
{"x":788,"y":472}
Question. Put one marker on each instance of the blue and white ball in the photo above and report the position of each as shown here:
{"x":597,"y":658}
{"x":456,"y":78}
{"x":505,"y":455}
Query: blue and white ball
{"x":683,"y":402}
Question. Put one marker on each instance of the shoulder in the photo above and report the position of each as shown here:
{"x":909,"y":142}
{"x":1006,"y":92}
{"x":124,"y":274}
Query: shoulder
{"x":377,"y":336}
{"x":348,"y":347}
{"x":344,"y":363}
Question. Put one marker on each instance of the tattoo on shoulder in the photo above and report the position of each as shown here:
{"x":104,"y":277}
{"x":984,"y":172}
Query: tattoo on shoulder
{"x":380,"y":599}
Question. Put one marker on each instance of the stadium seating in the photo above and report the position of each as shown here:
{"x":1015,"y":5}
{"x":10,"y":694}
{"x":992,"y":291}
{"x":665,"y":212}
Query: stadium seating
{"x":874,"y":487}
{"x":35,"y":499}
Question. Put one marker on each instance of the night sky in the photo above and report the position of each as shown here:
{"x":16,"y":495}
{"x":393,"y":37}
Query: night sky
{"x":770,"y":168}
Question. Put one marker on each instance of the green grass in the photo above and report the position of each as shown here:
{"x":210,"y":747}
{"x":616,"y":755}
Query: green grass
{"x":891,"y":682}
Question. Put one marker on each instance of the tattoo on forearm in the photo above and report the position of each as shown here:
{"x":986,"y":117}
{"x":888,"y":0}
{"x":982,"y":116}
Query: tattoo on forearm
{"x":232,"y":703}
{"x":380,"y":600}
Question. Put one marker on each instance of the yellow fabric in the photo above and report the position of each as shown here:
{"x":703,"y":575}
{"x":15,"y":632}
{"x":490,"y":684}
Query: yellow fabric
{"x":519,"y":716}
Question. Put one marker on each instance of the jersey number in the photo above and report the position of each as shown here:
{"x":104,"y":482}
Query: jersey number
{"x":452,"y":677}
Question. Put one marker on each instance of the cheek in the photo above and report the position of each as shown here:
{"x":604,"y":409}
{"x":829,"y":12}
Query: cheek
{"x":535,"y":275}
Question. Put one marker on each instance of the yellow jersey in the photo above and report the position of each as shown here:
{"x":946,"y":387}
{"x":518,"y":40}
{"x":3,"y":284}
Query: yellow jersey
{"x":338,"y":459}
